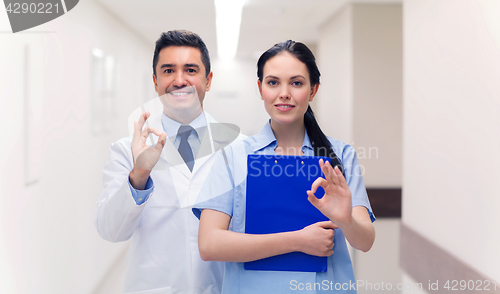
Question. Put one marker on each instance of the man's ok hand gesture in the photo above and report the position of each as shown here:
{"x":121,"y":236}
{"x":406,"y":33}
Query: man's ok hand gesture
{"x":145,"y":157}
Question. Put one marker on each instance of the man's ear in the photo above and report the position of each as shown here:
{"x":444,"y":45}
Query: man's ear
{"x":314,"y":90}
{"x":156,"y":84}
{"x":260,"y":88}
{"x":209,"y":81}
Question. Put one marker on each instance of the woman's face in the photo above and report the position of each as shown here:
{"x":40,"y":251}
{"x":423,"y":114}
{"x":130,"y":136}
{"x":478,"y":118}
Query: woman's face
{"x":286,"y":89}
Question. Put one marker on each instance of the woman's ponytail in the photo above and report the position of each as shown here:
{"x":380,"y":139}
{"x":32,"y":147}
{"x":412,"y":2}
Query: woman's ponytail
{"x":319,"y":141}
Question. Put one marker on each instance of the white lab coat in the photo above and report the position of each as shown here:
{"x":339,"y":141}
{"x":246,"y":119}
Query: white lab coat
{"x":163,"y":256}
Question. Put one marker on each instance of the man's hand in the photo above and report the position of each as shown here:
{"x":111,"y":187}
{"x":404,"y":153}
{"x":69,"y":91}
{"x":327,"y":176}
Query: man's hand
{"x":336,"y":204}
{"x":317,"y":239}
{"x":145,"y":157}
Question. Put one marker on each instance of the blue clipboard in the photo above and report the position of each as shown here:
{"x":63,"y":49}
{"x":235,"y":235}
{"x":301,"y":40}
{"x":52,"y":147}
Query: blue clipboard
{"x":276,"y":201}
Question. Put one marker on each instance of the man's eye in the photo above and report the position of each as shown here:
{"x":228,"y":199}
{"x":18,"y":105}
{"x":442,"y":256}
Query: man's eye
{"x":168,"y":70}
{"x":191,"y":70}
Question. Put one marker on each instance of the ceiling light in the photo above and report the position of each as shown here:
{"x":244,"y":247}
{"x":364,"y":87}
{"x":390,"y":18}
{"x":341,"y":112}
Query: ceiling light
{"x":228,"y":20}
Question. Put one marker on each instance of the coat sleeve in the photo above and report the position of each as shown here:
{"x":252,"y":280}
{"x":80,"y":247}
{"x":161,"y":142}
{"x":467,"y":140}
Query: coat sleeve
{"x":118,"y":215}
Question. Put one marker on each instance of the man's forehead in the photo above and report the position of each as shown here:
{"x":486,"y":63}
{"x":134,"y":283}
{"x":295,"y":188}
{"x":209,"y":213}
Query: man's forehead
{"x":180,"y":55}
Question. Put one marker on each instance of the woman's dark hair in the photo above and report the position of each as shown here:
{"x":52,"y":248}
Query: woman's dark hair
{"x":319,"y":142}
{"x":181,"y":38}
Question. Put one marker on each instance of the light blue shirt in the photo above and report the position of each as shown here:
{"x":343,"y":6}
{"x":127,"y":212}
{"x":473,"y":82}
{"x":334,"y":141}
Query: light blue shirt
{"x":171,"y":127}
{"x":225,"y":191}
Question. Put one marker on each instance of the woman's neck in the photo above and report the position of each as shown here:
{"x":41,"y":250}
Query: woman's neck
{"x":289,"y":137}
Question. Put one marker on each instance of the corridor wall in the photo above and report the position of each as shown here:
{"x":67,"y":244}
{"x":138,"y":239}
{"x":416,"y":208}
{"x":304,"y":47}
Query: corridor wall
{"x":451,"y":124}
{"x":48,"y":242}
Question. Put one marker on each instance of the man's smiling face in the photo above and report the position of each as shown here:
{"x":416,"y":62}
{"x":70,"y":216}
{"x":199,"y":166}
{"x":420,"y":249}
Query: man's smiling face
{"x":181,"y":80}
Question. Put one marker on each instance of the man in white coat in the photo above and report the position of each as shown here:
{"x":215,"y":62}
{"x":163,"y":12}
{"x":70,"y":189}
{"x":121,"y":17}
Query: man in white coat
{"x":172,"y":164}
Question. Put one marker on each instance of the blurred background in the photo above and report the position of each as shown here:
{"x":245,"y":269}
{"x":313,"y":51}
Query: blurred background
{"x":413,"y":85}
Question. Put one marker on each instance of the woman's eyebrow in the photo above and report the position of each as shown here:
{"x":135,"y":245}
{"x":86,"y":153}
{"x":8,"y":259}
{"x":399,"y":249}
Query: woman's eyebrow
{"x":291,"y":78}
{"x":272,"y":77}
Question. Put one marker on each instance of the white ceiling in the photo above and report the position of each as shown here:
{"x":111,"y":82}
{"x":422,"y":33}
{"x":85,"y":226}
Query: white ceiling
{"x":264,"y":22}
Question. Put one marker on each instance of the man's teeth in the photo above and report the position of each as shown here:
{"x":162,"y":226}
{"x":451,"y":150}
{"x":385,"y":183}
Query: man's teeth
{"x":179,"y":93}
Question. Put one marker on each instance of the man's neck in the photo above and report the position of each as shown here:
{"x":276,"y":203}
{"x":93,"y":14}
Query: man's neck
{"x":184,"y":117}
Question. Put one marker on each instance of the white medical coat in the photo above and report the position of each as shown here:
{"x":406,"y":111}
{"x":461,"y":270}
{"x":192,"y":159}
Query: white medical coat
{"x":163,"y":256}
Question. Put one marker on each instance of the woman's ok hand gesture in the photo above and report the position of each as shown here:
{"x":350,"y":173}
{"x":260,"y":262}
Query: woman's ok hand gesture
{"x":336,"y":204}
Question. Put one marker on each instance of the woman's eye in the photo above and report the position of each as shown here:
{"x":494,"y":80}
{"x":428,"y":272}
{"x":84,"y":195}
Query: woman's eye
{"x":272,"y":83}
{"x":296,"y":83}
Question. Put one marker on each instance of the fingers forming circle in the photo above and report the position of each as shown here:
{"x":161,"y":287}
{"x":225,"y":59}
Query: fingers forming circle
{"x":317,"y":183}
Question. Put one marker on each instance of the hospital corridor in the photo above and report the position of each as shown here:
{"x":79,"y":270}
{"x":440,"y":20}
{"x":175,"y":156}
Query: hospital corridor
{"x":411,"y":85}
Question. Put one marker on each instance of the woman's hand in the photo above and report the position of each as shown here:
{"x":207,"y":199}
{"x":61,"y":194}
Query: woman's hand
{"x":336,"y":204}
{"x":317,"y":239}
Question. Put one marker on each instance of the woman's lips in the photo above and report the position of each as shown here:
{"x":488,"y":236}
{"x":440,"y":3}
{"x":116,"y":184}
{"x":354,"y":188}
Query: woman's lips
{"x":284,"y":107}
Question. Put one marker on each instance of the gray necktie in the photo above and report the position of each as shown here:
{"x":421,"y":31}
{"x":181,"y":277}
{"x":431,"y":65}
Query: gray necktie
{"x":184,"y":147}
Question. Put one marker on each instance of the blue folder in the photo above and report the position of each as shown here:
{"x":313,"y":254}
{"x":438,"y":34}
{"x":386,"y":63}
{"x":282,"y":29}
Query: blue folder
{"x":276,"y":201}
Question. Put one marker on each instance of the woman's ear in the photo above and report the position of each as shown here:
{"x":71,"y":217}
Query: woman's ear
{"x":314,"y":90}
{"x":260,"y":88}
